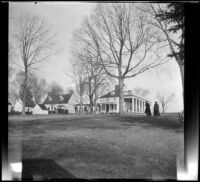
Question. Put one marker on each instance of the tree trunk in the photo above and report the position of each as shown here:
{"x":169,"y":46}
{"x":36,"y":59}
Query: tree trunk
{"x":24,"y":93}
{"x":181,"y":66}
{"x":81,"y":103}
{"x":95,"y":101}
{"x":163,"y":108}
{"x":91,"y":105}
{"x":121,"y":96}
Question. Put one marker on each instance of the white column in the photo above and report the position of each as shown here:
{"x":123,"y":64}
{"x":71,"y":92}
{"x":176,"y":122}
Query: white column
{"x":132,"y":104}
{"x":143,"y":106}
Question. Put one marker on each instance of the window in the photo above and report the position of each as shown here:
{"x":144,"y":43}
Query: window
{"x":113,"y":92}
{"x":115,"y":107}
{"x":103,"y":107}
{"x":61,"y":98}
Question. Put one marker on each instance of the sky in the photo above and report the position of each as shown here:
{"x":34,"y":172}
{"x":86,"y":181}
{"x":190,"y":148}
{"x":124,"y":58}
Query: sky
{"x":64,"y":18}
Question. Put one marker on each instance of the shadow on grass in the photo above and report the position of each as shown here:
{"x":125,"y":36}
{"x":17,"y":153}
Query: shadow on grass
{"x":43,"y":169}
{"x":159,"y":122}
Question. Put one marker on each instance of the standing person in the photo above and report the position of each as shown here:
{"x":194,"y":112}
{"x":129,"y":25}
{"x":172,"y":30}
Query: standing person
{"x":156,"y":109}
{"x":147,"y":110}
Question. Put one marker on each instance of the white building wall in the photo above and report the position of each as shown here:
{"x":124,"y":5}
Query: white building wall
{"x":109,"y":101}
{"x":18,"y":106}
{"x":38,"y":110}
{"x":72,"y":101}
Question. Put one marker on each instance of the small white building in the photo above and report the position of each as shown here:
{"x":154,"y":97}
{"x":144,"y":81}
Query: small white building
{"x":18,"y":106}
{"x":40,"y":109}
{"x":60,"y":103}
{"x":109,"y":103}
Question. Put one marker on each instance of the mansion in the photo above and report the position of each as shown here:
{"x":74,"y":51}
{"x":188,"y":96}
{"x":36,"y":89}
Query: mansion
{"x":109,"y":103}
{"x":68,"y":103}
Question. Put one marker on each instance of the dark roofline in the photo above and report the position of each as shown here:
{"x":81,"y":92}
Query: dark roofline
{"x":56,"y":99}
{"x":108,"y":95}
{"x":82,"y":104}
{"x":42,"y":106}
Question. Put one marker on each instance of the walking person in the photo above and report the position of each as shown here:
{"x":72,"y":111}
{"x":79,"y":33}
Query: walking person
{"x":156,"y":109}
{"x":147,"y":110}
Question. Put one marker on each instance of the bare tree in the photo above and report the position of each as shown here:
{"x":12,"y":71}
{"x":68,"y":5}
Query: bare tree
{"x":10,"y":58}
{"x":165,"y":99}
{"x":94,"y":74}
{"x":39,"y":89}
{"x":55,"y":88}
{"x":78,"y":75}
{"x":171,"y":40}
{"x":34,"y":41}
{"x":19,"y":80}
{"x":96,"y":78}
{"x":124,"y":43}
{"x":142,"y":92}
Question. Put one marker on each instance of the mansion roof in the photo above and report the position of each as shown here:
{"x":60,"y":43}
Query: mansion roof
{"x":42,"y":106}
{"x":57,"y":99}
{"x":128,"y":93}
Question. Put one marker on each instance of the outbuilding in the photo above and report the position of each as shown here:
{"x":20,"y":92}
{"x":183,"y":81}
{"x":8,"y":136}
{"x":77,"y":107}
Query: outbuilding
{"x":9,"y":106}
{"x":18,"y":106}
{"x":40,"y":109}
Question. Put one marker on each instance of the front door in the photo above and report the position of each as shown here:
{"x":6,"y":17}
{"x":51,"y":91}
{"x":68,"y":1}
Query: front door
{"x":107,"y":108}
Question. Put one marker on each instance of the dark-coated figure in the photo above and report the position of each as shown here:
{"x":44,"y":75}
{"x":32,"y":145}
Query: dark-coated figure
{"x":156,"y":109}
{"x":147,"y":110}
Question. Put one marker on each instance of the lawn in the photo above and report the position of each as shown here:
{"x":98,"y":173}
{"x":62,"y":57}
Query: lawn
{"x":98,"y":146}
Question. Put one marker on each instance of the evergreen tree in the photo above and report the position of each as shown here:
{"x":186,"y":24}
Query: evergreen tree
{"x":174,"y":15}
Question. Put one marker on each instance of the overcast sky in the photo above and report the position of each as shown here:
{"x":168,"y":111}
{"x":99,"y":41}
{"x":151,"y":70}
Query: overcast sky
{"x":64,"y":18}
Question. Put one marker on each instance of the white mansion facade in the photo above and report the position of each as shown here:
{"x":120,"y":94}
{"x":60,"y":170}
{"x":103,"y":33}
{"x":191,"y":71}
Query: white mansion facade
{"x":109,"y":103}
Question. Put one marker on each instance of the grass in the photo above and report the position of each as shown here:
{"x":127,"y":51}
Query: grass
{"x":99,"y":146}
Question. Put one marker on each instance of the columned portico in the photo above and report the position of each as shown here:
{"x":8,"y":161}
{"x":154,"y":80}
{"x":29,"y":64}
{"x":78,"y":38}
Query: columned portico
{"x":109,"y":103}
